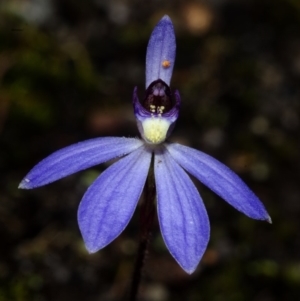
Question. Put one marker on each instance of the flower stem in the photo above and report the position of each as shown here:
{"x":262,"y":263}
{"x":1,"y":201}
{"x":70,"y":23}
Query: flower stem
{"x":147,"y":213}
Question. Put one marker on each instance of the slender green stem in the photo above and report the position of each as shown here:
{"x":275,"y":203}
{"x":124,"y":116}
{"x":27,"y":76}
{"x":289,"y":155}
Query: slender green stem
{"x":147,"y":213}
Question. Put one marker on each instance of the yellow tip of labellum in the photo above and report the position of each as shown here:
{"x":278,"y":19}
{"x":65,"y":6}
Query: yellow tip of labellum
{"x":155,"y":129}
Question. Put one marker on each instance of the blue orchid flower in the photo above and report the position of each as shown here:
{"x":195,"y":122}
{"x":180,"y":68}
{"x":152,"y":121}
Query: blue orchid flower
{"x":109,"y":203}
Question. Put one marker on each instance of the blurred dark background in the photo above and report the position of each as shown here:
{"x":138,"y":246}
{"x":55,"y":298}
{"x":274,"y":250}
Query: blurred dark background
{"x":67,"y":72}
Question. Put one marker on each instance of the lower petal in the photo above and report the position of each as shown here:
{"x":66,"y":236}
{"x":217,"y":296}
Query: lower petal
{"x":220,"y":179}
{"x":109,"y":203}
{"x":182,"y":216}
{"x":76,"y":157}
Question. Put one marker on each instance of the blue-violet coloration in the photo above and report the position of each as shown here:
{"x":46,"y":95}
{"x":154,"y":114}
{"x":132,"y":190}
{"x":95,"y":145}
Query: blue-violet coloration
{"x":109,"y":203}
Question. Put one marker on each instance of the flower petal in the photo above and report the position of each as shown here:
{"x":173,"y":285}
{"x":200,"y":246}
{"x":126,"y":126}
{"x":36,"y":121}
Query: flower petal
{"x":161,"y":52}
{"x":220,"y":179}
{"x":78,"y":157}
{"x":182,"y":216}
{"x":110,"y":201}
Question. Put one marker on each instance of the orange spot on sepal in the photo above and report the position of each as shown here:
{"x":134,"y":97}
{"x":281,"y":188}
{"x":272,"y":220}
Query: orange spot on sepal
{"x":166,"y":64}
